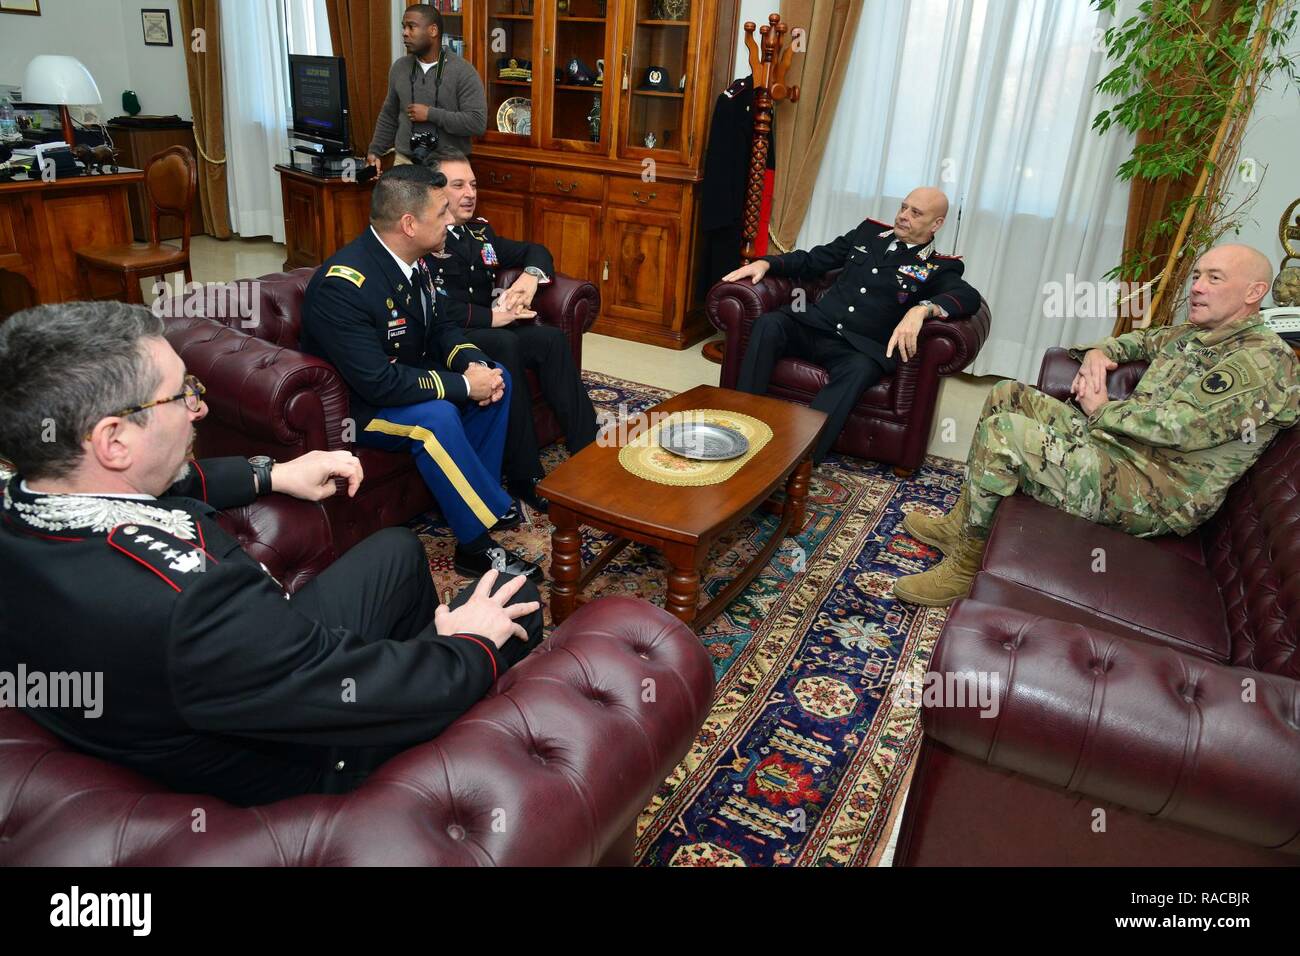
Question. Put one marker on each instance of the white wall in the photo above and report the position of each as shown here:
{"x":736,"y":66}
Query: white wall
{"x":158,"y":73}
{"x":107,"y":37}
{"x":1272,"y":140}
{"x":758,"y":11}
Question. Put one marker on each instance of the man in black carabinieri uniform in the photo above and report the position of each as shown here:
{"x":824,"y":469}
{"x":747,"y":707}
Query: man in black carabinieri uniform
{"x":417,"y":384}
{"x":214,"y":680}
{"x":502,"y":325}
{"x":890,"y":282}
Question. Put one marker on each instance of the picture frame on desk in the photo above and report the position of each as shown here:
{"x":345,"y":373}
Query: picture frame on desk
{"x":31,"y":8}
{"x":157,"y":26}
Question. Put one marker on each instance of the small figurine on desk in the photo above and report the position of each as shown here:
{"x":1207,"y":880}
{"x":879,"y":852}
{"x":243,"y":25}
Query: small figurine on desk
{"x":95,"y":158}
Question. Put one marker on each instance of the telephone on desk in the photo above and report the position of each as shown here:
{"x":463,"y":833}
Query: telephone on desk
{"x":1285,"y":322}
{"x":65,"y":164}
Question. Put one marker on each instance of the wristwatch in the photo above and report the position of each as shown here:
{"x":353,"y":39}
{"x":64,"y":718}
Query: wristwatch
{"x":262,"y":465}
{"x":928,"y":307}
{"x":536,"y":273}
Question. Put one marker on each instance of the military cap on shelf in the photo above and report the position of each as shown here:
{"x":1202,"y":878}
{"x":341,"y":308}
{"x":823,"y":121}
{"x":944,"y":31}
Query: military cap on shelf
{"x":579,"y":74}
{"x":656,"y":79}
{"x":509,"y":68}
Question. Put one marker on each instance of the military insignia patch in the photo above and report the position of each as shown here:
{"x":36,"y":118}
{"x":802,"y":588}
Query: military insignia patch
{"x":919,"y":273}
{"x":170,"y":558}
{"x":490,"y":255}
{"x":343,"y":272}
{"x":1217,"y":382}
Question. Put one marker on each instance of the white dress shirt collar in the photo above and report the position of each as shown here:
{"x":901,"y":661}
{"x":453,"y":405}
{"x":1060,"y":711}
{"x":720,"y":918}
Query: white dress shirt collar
{"x":404,"y":266}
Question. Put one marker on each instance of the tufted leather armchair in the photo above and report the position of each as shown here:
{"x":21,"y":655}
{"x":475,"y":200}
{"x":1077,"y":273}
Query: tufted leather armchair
{"x":1163,"y":690}
{"x":891,"y":422}
{"x":266,"y":397}
{"x":551,"y":769}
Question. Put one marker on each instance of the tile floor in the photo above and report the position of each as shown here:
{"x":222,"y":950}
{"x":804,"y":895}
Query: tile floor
{"x":960,"y":396}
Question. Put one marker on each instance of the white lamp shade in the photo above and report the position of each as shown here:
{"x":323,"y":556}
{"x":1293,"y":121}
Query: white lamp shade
{"x":61,"y":80}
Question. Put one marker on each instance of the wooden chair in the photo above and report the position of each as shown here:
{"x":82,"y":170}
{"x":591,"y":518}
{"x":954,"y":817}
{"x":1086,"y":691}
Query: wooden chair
{"x":171,"y":178}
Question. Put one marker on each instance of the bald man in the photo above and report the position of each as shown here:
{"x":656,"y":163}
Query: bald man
{"x":890,"y":282}
{"x":1216,"y":392}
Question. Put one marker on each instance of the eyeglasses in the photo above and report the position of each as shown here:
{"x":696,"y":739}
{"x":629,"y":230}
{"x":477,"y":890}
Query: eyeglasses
{"x":192,"y":393}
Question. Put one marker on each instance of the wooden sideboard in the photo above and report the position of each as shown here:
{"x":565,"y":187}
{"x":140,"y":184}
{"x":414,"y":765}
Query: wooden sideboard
{"x":135,"y":146}
{"x":608,"y":177}
{"x":320,"y":215}
{"x":42,"y":225}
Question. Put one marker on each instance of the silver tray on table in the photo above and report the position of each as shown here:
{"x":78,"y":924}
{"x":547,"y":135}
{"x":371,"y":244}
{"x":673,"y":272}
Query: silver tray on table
{"x":702,"y":442}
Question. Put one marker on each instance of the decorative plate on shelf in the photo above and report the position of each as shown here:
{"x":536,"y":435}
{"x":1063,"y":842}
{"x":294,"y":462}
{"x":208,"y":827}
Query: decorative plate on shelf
{"x":515,"y":115}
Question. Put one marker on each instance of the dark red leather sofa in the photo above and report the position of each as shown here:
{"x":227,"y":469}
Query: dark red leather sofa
{"x":1149,"y":713}
{"x":551,"y":768}
{"x":266,"y":397}
{"x":891,"y":422}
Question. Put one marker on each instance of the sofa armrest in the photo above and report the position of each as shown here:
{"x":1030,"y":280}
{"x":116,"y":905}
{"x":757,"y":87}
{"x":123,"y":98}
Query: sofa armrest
{"x":273,"y":395}
{"x":552,"y":769}
{"x":957,"y":339}
{"x":734,"y":307}
{"x":289,"y":536}
{"x":1163,"y":733}
{"x":1058,"y":370}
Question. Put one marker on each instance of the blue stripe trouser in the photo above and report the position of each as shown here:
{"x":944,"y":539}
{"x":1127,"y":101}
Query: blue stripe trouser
{"x":458,"y":451}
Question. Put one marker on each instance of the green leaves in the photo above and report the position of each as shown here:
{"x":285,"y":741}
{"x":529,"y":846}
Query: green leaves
{"x":1172,"y":79}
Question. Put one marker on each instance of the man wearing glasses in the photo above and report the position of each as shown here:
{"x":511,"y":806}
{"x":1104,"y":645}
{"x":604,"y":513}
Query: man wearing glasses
{"x":214,"y":680}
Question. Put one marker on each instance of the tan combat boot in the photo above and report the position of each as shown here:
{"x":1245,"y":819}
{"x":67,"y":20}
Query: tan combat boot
{"x":941,"y":533}
{"x":947,"y":581}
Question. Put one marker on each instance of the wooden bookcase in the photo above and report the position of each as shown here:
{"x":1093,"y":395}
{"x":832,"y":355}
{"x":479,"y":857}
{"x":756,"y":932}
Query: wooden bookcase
{"x":611,"y":209}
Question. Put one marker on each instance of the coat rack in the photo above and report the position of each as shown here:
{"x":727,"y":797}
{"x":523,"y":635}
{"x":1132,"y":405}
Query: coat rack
{"x":769,"y":66}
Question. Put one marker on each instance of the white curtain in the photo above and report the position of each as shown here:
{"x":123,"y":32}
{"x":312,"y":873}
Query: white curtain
{"x":308,"y":26}
{"x":992,"y":101}
{"x":254,"y":63}
{"x":399,"y":11}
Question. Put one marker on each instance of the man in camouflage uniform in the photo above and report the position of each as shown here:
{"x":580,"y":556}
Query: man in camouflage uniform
{"x":1215,"y":393}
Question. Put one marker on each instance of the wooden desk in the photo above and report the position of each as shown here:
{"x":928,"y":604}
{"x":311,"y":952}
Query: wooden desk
{"x":42,"y":225}
{"x":321,"y":216}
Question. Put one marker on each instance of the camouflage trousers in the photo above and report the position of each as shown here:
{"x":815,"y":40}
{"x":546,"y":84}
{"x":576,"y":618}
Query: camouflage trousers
{"x":1030,"y":442}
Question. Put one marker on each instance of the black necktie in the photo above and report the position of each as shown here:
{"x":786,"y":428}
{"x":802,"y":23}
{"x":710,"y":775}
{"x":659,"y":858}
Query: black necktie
{"x":420,"y":285}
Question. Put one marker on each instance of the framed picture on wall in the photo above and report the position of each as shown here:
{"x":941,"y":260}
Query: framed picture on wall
{"x":157,"y":27}
{"x":30,"y":7}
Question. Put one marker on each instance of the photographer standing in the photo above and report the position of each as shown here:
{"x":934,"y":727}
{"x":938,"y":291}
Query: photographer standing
{"x":434,"y":97}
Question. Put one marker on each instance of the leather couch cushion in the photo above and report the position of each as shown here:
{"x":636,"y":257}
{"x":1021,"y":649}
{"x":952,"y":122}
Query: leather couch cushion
{"x":997,"y":591}
{"x":1147,"y":588}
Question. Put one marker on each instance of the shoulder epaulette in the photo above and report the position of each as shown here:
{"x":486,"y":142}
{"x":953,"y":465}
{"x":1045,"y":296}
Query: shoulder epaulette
{"x":877,"y":222}
{"x":174,"y":560}
{"x":482,"y":219}
{"x":346,"y":272}
{"x":939,"y":255}
{"x":735,"y":89}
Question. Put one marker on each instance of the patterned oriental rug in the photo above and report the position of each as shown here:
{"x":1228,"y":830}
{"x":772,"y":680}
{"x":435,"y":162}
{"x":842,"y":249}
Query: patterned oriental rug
{"x":807,"y":751}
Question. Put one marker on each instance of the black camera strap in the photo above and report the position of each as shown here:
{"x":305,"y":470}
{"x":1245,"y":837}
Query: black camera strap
{"x":437,"y":76}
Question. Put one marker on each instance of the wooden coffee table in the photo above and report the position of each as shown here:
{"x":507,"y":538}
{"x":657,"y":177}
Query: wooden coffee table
{"x":593,"y":489}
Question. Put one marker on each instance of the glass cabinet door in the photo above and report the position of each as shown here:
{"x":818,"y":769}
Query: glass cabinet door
{"x":656,"y":75}
{"x":510,"y":28}
{"x":580,"y":45}
{"x":453,"y":25}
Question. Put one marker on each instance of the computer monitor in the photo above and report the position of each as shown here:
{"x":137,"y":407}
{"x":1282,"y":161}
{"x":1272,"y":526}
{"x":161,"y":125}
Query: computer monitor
{"x":318,"y":93}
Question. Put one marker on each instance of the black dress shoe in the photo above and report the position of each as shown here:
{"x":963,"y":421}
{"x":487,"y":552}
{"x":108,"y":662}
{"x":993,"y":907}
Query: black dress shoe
{"x":511,"y":519}
{"x":507,"y":563}
{"x":526,"y":491}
